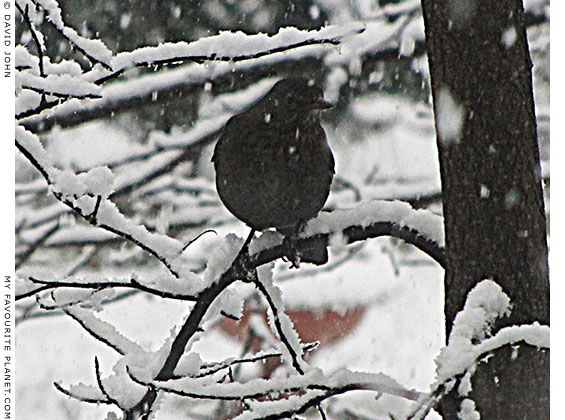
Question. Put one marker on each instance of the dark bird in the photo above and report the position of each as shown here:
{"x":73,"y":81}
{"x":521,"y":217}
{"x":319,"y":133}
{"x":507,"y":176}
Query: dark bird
{"x":274,"y":166}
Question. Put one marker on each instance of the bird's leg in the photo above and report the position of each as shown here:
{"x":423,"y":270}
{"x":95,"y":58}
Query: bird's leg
{"x":290,"y":250}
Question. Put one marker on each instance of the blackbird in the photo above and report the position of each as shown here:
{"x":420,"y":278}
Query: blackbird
{"x":274,"y":166}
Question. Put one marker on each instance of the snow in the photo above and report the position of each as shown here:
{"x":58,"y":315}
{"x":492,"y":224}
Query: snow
{"x":100,"y":145}
{"x":535,"y":335}
{"x":375,"y":37}
{"x":121,"y":388}
{"x":450,"y":117}
{"x":64,"y":84}
{"x":93,"y":47}
{"x":509,"y":37}
{"x":537,"y":6}
{"x":231,"y":303}
{"x":462,"y":11}
{"x":265,"y":277}
{"x":109,"y":215}
{"x":97,"y":181}
{"x":428,"y":224}
{"x":413,"y":32}
{"x":468,"y":410}
{"x":222,"y":257}
{"x":313,"y":379}
{"x":335,"y":79}
{"x":190,"y":365}
{"x":24,"y":58}
{"x":230,"y":44}
{"x":100,"y":328}
{"x":26,"y":100}
{"x":31,"y":143}
{"x":485,"y":303}
{"x":84,"y":391}
{"x":397,"y":342}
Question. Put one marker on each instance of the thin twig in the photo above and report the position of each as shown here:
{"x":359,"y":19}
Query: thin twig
{"x":93,"y":60}
{"x":276,"y":318}
{"x":88,"y":217}
{"x":76,"y":397}
{"x":101,"y":385}
{"x":23,"y":257}
{"x":94,"y":334}
{"x":44,"y":92}
{"x":132,"y":284}
{"x":32,"y":30}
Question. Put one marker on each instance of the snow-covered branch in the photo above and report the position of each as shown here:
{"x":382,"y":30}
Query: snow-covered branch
{"x":103,"y":331}
{"x":421,"y":228}
{"x":84,"y":196}
{"x":469,"y":342}
{"x":93,"y":49}
{"x":279,"y":321}
{"x":313,"y":380}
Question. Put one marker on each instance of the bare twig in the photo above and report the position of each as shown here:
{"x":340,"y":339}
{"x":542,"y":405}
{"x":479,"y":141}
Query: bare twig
{"x":68,"y":393}
{"x":132,"y":284}
{"x":32,"y":30}
{"x":24,"y":256}
{"x":214,"y":368}
{"x":44,"y":92}
{"x":94,"y":334}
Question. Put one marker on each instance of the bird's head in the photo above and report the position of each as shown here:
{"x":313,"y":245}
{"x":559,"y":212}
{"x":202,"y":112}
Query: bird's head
{"x":296,"y":94}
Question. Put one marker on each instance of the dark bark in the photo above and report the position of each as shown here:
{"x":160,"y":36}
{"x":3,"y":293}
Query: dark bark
{"x":492,"y":195}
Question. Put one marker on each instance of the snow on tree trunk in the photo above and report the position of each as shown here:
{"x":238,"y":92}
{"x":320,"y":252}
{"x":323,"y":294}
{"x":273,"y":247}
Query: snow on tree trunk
{"x":493,"y":206}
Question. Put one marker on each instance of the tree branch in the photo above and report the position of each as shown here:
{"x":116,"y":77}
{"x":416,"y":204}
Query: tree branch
{"x":200,"y":59}
{"x":132,"y":284}
{"x":92,"y":220}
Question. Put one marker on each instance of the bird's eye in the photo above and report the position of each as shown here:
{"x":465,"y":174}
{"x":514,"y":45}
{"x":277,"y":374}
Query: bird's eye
{"x":291,"y":99}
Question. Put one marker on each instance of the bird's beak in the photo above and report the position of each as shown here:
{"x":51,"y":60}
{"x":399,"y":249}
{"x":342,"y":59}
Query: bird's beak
{"x":320,"y":104}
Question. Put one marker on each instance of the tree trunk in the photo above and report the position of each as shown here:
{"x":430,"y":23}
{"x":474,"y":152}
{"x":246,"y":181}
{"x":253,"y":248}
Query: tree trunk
{"x":492,"y":196}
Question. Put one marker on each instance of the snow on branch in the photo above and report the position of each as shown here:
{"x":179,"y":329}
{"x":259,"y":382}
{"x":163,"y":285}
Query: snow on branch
{"x":289,"y":45}
{"x":103,"y":331}
{"x":64,"y":86}
{"x":342,"y":381}
{"x":86,"y":195}
{"x":372,"y":219}
{"x":485,"y":303}
{"x":84,"y":393}
{"x":37,"y":38}
{"x":93,"y":49}
{"x":280,"y":323}
{"x":229,"y":47}
{"x":469,"y":342}
{"x":213,"y":368}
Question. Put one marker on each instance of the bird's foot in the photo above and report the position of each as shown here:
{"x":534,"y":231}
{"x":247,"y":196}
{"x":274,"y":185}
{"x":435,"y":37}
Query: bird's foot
{"x":290,"y":252}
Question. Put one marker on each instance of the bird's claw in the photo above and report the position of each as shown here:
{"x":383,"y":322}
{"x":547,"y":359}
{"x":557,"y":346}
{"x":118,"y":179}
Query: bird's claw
{"x":291,"y":253}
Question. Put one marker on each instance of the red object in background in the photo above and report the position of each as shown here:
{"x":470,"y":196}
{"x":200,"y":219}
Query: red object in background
{"x":325,"y":326}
